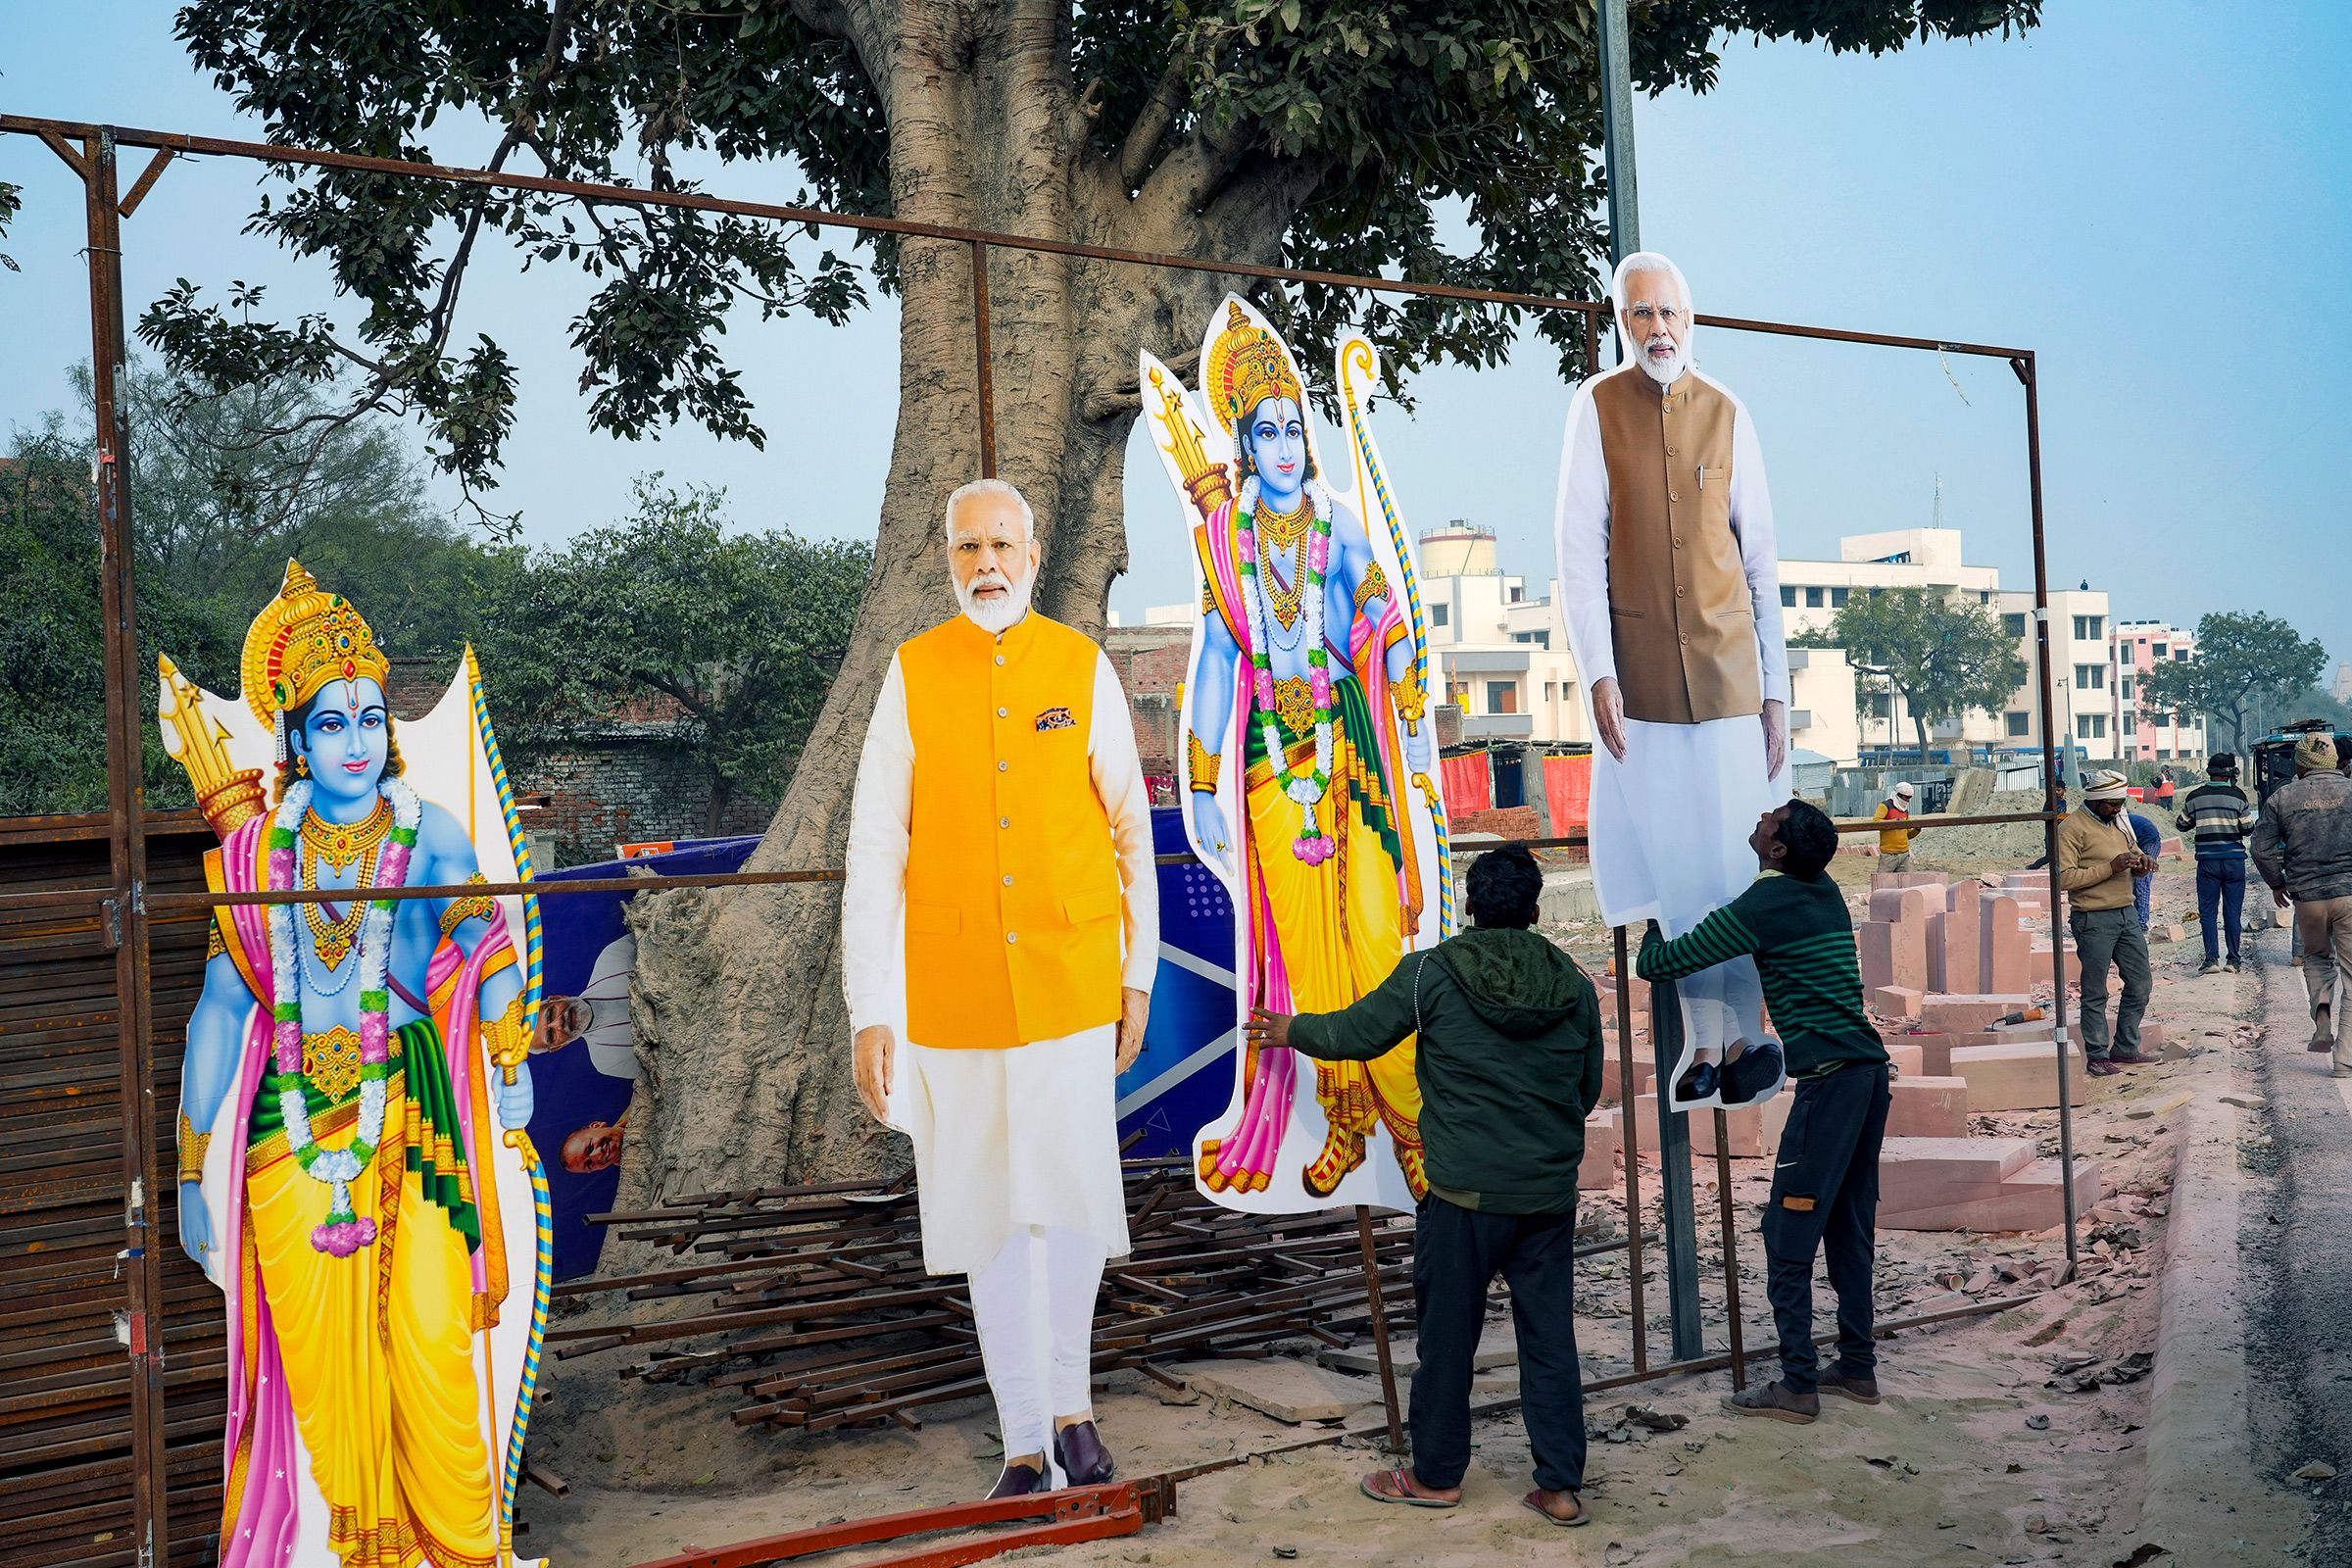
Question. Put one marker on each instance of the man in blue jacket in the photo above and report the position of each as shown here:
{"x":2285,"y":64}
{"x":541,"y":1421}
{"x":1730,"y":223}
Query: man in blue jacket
{"x":1509,"y":1066}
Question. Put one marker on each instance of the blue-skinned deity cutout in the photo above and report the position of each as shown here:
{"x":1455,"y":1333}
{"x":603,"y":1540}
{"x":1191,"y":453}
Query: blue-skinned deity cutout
{"x":1307,"y":784}
{"x":354,"y":1172}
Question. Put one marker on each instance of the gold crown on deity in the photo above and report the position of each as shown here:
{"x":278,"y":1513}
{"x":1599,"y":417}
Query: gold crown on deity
{"x":1248,"y":364}
{"x":302,"y":640}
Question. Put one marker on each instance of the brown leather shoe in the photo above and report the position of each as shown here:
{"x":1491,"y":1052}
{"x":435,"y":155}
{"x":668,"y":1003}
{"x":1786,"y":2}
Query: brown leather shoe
{"x":1862,"y":1391}
{"x":2101,"y":1068}
{"x":1078,"y":1447}
{"x":1776,"y":1401}
{"x":2130,"y":1058}
{"x":1017,"y":1481}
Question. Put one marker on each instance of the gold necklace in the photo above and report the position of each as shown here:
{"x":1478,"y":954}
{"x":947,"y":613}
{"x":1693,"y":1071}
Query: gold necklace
{"x":339,"y":844}
{"x":1284,"y":529}
{"x":1284,"y":599}
{"x":334,"y":939}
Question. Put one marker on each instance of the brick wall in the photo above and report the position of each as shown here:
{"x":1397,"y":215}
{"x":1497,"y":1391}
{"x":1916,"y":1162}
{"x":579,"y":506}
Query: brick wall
{"x":630,"y":791}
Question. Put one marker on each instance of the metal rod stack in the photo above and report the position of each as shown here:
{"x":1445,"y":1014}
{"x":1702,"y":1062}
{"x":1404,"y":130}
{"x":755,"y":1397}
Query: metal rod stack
{"x":852,"y":1331}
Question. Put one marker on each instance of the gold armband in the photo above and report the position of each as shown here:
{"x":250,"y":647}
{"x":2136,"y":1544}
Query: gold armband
{"x":1406,"y":692}
{"x":1203,"y":764}
{"x":461,"y":911}
{"x":214,"y":944}
{"x":192,"y":1144}
{"x":1375,"y":585}
{"x":509,"y":1038}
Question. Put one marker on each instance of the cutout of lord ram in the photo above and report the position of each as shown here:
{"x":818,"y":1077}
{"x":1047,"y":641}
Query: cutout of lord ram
{"x":354,"y":1173}
{"x":1308,"y":755}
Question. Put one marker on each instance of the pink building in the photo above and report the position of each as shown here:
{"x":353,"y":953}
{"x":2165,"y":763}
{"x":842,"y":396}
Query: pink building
{"x":2143,"y":734}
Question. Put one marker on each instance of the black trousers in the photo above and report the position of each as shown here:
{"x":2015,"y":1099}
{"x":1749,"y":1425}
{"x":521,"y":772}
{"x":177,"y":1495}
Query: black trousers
{"x":1825,"y":1193}
{"x":1456,"y":1252}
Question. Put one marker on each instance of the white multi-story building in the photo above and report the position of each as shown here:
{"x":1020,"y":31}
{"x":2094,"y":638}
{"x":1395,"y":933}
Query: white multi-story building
{"x":2148,"y":735}
{"x":1502,"y":653}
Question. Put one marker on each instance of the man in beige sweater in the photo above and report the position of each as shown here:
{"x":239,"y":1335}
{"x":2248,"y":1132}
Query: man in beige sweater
{"x":2097,"y":858}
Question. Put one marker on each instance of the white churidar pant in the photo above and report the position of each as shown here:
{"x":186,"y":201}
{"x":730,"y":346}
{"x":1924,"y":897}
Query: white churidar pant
{"x":1034,"y":1307}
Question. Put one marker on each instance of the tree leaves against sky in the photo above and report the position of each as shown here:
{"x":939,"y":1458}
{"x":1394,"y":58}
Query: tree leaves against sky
{"x":1403,"y":122}
{"x":2244,"y":661}
{"x":726,"y":642}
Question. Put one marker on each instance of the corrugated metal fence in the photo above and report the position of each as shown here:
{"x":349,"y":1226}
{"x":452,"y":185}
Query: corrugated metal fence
{"x":66,"y":1450}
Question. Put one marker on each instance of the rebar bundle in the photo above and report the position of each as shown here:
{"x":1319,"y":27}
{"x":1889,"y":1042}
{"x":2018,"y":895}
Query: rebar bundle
{"x":856,"y":1333}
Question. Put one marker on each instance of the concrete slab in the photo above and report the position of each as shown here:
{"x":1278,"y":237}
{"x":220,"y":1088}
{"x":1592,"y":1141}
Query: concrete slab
{"x":1743,"y":1126}
{"x":1894,"y":953}
{"x":1933,"y":1050}
{"x":1908,"y":1060}
{"x":1957,"y":1013}
{"x":1286,"y":1390}
{"x":1902,"y":905}
{"x":2012,"y":1077}
{"x":2033,"y":1200}
{"x":1497,"y":1347}
{"x":1897,"y":1002}
{"x":1967,"y":1161}
{"x":1602,"y":1141}
{"x":1928,"y":1108}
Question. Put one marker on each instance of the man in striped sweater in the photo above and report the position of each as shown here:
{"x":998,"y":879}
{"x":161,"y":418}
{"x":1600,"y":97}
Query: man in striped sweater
{"x":2220,"y":817}
{"x":1825,"y":1185}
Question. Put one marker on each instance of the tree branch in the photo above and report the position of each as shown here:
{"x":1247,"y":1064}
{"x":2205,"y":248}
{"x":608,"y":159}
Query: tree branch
{"x":1150,"y":127}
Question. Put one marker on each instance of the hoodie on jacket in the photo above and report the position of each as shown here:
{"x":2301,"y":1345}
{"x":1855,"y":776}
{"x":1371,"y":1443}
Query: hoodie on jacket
{"x":1508,"y":1061}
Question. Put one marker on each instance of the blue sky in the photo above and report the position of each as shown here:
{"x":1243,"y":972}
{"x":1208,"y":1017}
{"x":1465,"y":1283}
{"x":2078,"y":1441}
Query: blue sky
{"x":2157,"y":197}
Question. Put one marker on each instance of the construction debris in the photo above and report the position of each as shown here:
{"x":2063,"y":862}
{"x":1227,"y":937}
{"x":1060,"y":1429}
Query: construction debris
{"x":850,"y":1330}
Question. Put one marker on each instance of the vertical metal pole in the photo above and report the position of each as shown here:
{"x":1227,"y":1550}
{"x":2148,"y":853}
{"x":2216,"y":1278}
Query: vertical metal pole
{"x":1730,"y":1248}
{"x":983,"y":357}
{"x":1617,"y":132}
{"x":2025,"y":369}
{"x":1677,"y":1222}
{"x":1629,"y":1127}
{"x":1380,"y":1328}
{"x":128,"y":856}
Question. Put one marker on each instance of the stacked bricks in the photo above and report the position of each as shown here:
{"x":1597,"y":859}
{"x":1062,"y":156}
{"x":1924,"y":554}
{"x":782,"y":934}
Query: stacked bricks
{"x":1893,"y":941}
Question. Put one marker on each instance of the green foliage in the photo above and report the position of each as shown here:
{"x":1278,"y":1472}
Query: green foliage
{"x":725,"y":642}
{"x":53,"y":756}
{"x":2246,"y":662}
{"x":1370,"y":127}
{"x":1944,"y":657}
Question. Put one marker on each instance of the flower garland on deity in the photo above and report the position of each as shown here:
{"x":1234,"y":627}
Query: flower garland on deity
{"x":344,"y":1233}
{"x":1308,"y":784}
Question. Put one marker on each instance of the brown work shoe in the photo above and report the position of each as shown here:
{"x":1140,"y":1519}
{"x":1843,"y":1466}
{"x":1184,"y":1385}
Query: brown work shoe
{"x":2130,"y":1058}
{"x":2101,"y":1068}
{"x":1777,"y":1401}
{"x":1862,"y":1391}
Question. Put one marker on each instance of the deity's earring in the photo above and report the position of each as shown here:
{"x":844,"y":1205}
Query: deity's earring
{"x":302,"y":767}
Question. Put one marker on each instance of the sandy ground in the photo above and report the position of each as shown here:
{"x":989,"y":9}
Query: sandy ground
{"x":1996,"y":1443}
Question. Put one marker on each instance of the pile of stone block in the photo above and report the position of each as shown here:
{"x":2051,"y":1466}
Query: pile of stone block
{"x":1976,"y":1184}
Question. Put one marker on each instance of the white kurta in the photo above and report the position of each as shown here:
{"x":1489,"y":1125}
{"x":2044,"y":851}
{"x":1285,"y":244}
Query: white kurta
{"x":1020,"y":1137}
{"x":1670,"y":823}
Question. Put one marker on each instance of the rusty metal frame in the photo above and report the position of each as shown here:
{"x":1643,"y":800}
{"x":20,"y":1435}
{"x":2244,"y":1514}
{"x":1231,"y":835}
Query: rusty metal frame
{"x":1074,"y":1514}
{"x":130,"y":907}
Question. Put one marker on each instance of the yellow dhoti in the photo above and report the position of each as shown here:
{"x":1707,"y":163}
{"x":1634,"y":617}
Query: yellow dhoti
{"x":380,"y":1357}
{"x":1338,"y":928}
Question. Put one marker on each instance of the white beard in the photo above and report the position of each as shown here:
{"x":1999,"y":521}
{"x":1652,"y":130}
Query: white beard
{"x":998,"y":614}
{"x":1671,"y":370}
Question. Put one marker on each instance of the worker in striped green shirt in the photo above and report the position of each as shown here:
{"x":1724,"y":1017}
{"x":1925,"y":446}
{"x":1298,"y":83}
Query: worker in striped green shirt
{"x":1825,"y":1188}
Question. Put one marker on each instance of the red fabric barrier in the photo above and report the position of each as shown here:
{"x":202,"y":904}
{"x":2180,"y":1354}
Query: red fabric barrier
{"x":1568,"y":783}
{"x":1469,"y":784}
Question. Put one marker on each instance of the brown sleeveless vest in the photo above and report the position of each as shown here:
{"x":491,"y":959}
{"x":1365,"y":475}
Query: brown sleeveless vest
{"x":1680,"y":611}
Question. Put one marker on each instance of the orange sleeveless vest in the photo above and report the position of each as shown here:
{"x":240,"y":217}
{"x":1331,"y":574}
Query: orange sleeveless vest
{"x":1012,"y":882}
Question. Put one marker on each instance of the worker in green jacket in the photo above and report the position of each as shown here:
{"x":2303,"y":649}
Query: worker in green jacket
{"x":1509,"y":1066}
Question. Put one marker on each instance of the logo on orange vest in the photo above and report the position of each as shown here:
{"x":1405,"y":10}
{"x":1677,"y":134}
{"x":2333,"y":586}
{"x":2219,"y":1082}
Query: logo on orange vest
{"x":1057,"y":718}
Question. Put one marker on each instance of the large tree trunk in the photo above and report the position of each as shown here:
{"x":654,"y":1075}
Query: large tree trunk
{"x":738,"y":1003}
